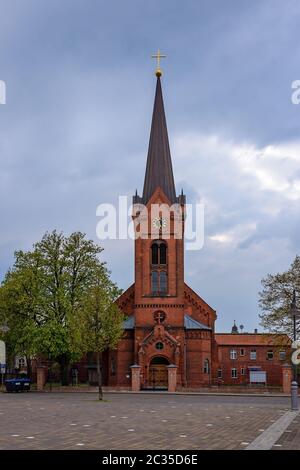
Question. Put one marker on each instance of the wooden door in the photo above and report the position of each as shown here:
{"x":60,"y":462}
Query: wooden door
{"x":158,"y":375}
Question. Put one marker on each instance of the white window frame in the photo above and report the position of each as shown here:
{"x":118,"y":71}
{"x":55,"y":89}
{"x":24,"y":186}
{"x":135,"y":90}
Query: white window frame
{"x":282,"y":358}
{"x":206,"y":366}
{"x":270,"y":358}
{"x":21,"y":362}
{"x":233,"y":354}
{"x":236,"y":373}
{"x":253,"y":351}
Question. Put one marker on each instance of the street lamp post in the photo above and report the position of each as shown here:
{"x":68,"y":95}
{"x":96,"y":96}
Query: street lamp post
{"x":295,"y":313}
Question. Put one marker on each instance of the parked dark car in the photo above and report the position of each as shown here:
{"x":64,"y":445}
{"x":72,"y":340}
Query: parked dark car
{"x":17,"y":385}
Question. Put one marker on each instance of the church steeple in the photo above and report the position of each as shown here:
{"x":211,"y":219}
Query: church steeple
{"x":159,"y":172}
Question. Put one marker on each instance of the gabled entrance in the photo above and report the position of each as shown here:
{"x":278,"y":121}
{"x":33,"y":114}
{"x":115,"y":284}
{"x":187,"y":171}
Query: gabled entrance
{"x":158,"y":373}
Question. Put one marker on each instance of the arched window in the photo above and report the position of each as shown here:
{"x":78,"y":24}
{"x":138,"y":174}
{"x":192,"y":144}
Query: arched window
{"x":159,"y":282}
{"x":159,"y":253}
{"x":163,"y":282}
{"x":163,"y":253}
{"x":206,"y":366}
{"x":154,"y":253}
{"x":21,"y":362}
{"x":159,"y":278}
{"x":154,"y":282}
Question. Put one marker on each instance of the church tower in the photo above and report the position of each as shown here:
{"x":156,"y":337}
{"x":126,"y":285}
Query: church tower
{"x":159,"y":232}
{"x":168,"y":324}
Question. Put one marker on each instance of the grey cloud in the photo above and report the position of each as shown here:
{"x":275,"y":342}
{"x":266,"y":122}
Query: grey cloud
{"x":75,"y":130}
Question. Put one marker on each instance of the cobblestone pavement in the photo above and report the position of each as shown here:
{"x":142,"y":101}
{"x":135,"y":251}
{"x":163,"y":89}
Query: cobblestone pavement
{"x":290,"y":439}
{"x":136,"y":421}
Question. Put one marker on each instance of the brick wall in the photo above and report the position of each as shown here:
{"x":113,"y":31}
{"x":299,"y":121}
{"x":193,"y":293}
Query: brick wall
{"x":273,"y":367}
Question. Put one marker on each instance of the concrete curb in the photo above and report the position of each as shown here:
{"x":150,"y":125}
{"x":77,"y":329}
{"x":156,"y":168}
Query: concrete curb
{"x":270,"y":436}
{"x":215,"y":394}
{"x":142,"y":392}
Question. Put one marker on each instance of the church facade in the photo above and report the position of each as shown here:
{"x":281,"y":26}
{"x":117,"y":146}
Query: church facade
{"x":169,"y":331}
{"x":167,"y":324}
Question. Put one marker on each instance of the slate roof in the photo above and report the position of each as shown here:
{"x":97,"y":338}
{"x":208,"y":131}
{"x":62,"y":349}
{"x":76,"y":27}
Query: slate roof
{"x":251,"y":339}
{"x":129,"y":323}
{"x":159,"y":171}
{"x":191,"y":324}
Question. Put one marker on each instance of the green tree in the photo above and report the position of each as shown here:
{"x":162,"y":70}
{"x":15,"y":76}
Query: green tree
{"x":276,"y":297}
{"x":69,"y":266}
{"x":44,"y":291}
{"x":19,"y":299}
{"x":101,"y":321}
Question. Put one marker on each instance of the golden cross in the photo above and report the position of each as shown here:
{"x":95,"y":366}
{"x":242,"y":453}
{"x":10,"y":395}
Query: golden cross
{"x":158,"y":56}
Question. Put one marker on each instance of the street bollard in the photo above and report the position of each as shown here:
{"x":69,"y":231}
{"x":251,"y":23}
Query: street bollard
{"x":294,"y":395}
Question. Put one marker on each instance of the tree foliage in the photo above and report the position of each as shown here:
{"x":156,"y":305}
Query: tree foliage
{"x":276,"y":297}
{"x":42,"y":296}
{"x":101,"y":321}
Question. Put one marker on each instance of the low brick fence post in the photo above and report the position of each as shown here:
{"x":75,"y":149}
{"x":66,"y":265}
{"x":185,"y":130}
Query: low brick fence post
{"x":286,"y":378}
{"x":40,"y":378}
{"x":135,"y":378}
{"x":172,"y":378}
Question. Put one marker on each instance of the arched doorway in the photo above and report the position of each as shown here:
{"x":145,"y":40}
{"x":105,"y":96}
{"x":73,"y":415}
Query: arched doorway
{"x":158,"y":373}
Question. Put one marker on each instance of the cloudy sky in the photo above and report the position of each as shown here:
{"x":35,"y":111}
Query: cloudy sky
{"x":75,"y":129}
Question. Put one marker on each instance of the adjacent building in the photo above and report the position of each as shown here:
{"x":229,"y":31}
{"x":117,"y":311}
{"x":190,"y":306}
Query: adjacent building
{"x":250,"y":358}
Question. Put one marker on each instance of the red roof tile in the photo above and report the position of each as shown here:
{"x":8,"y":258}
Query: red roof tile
{"x":252,"y":339}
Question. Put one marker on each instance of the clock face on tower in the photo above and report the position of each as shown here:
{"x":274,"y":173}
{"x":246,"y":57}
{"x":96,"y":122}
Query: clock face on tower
{"x":159,"y":222}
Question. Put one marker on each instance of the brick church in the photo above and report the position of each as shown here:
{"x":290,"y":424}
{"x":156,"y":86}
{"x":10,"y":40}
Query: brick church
{"x":169,"y":338}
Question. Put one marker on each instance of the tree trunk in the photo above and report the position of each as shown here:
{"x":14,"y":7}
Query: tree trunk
{"x":29,"y":367}
{"x":64,"y":369}
{"x":99,"y":374}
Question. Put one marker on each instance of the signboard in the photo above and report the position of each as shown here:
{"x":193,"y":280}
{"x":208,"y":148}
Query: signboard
{"x":258,"y":376}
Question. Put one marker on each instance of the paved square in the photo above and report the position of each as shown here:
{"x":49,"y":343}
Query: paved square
{"x":134,"y":421}
{"x":290,"y":438}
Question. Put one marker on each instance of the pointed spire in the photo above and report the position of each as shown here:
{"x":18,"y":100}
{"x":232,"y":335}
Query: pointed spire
{"x":159,"y":172}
